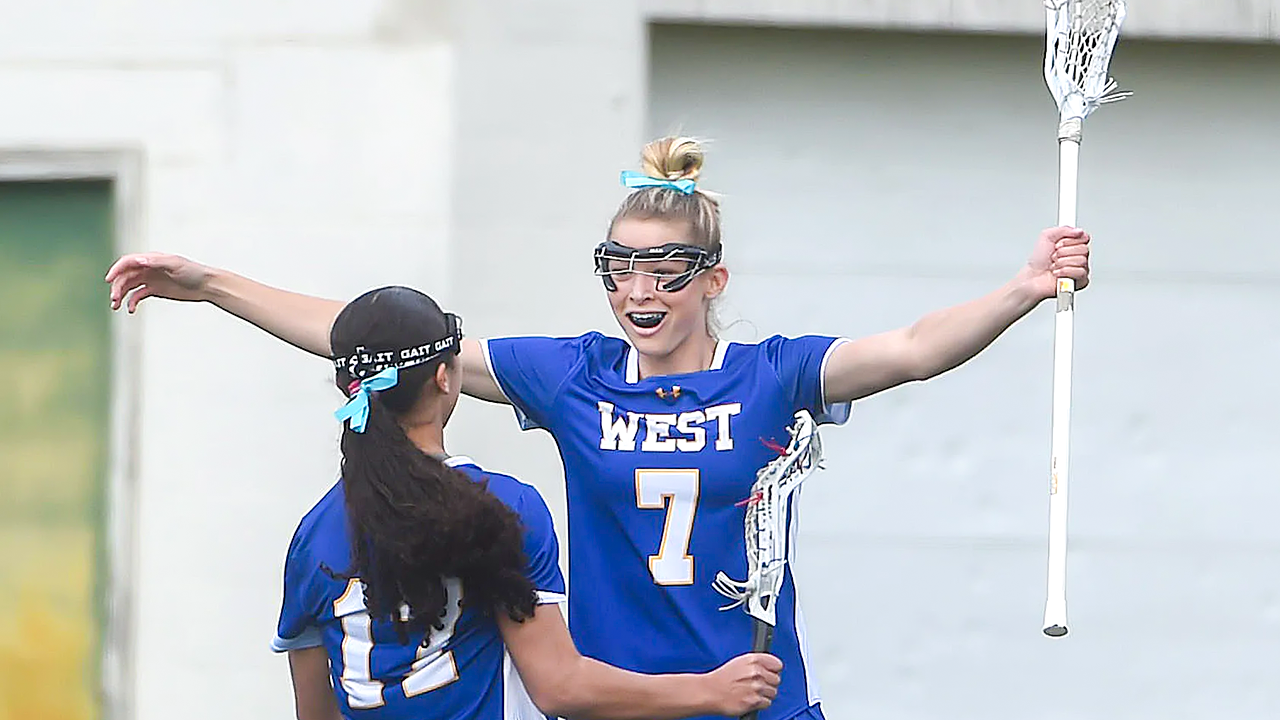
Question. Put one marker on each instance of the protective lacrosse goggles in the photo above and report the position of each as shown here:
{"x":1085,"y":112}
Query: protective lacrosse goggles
{"x":616,"y":261}
{"x":364,"y":363}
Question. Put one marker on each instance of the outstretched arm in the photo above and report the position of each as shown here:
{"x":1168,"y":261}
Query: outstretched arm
{"x":300,"y":320}
{"x":948,"y":338}
{"x":564,"y":683}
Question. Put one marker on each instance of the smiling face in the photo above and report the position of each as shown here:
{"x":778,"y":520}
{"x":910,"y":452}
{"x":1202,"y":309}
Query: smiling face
{"x":662,"y":324}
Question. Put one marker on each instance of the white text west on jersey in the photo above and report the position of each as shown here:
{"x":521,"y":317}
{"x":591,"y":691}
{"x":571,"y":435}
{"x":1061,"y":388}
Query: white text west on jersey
{"x":618,"y":432}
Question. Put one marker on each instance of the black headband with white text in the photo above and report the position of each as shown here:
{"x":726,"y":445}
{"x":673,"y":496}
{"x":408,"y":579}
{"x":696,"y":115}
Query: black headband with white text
{"x":365,"y":363}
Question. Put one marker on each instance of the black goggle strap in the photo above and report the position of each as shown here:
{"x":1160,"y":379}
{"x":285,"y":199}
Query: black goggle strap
{"x":699,"y":259}
{"x":364,"y":363}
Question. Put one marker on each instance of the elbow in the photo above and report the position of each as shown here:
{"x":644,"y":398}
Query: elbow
{"x":557,"y":696}
{"x":558,"y":700}
{"x":924,"y":368}
{"x":566,"y":692}
{"x":917,"y":361}
{"x":929,"y":365}
{"x":912,"y":365}
{"x":921,"y":361}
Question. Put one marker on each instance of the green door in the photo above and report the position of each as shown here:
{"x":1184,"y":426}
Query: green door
{"x":56,"y":241}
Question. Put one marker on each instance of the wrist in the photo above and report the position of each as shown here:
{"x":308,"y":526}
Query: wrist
{"x":704,"y":695}
{"x":216,"y":288}
{"x":1025,"y":291}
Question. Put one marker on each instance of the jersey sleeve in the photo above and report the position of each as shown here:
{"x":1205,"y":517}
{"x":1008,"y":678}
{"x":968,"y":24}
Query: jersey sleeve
{"x":297,"y":628}
{"x":530,"y":371}
{"x":800,"y":364}
{"x":541,"y":548}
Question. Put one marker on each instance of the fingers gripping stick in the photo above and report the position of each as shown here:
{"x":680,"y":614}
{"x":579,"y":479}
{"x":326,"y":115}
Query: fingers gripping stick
{"x":1081,"y":37}
{"x":766,"y":527}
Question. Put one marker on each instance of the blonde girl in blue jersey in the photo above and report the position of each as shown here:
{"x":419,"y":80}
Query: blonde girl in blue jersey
{"x":659,"y":432}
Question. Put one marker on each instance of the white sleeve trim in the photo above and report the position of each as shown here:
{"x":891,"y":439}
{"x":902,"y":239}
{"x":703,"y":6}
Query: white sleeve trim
{"x":308,"y":638}
{"x":488,"y":363}
{"x":526,"y":423}
{"x":837,"y":413}
{"x":551,"y":598}
{"x":457,"y":460}
{"x":826,"y":358}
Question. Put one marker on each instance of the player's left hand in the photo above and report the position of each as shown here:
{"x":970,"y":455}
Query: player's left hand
{"x":1060,"y":252}
{"x":746,"y":683}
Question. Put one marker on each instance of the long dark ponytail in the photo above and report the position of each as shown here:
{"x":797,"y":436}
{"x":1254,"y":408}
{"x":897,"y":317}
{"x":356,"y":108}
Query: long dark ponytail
{"x":414,"y":520}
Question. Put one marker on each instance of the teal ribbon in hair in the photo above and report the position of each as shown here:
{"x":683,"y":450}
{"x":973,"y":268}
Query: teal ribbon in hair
{"x":636,"y":180}
{"x":357,"y":408}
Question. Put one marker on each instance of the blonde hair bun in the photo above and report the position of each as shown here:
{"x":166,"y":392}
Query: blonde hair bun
{"x":672,"y":158}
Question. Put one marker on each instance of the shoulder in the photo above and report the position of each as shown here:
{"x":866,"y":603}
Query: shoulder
{"x":523,"y":499}
{"x":779,"y":346}
{"x":797,"y":363}
{"x":326,"y":514}
{"x":602,"y":350}
{"x":520,"y":496}
{"x":523,"y":359}
{"x":321,"y":539}
{"x":777,"y":341}
{"x":586,"y":342}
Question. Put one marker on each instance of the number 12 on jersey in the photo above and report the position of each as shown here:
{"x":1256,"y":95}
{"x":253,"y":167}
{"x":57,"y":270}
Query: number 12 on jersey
{"x":676,"y":491}
{"x":433,"y":667}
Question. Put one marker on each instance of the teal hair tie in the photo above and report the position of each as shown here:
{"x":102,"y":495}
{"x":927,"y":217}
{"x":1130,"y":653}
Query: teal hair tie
{"x":636,"y":180}
{"x":357,"y":408}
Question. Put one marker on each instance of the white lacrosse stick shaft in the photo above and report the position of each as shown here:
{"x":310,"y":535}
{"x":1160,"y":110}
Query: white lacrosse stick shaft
{"x":1081,"y":36}
{"x":1055,"y":610}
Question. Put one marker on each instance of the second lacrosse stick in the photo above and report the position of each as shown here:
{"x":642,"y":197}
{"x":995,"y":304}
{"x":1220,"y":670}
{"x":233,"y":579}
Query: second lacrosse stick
{"x":767,"y":521}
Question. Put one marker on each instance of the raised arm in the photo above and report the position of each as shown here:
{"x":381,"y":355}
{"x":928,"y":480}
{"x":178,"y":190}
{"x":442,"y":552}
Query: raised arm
{"x":564,"y":683}
{"x":300,"y":320}
{"x":948,"y":338}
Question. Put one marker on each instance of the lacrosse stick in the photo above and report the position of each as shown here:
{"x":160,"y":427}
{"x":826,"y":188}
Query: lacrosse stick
{"x":1081,"y":36}
{"x":766,"y":532}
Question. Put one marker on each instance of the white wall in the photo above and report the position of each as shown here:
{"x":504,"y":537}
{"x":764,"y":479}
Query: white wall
{"x":871,"y":178}
{"x":551,"y":108}
{"x":303,"y":143}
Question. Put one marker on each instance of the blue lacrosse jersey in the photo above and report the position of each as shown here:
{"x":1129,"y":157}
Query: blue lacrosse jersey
{"x":655,"y":482}
{"x":460,"y":671}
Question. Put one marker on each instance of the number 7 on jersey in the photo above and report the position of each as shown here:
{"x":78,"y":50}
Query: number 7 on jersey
{"x":676,"y":491}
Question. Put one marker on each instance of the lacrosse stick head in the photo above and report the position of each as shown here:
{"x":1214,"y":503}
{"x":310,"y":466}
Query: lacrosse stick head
{"x":1081,"y":38}
{"x":766,"y":522}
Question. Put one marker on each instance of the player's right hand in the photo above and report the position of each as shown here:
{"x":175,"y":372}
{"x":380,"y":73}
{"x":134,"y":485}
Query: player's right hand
{"x":142,"y":275}
{"x":745,"y":683}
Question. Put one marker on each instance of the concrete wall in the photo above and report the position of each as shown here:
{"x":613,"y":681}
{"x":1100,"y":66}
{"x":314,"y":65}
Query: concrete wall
{"x":304,"y":143}
{"x":1245,"y":20}
{"x":551,"y":107}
